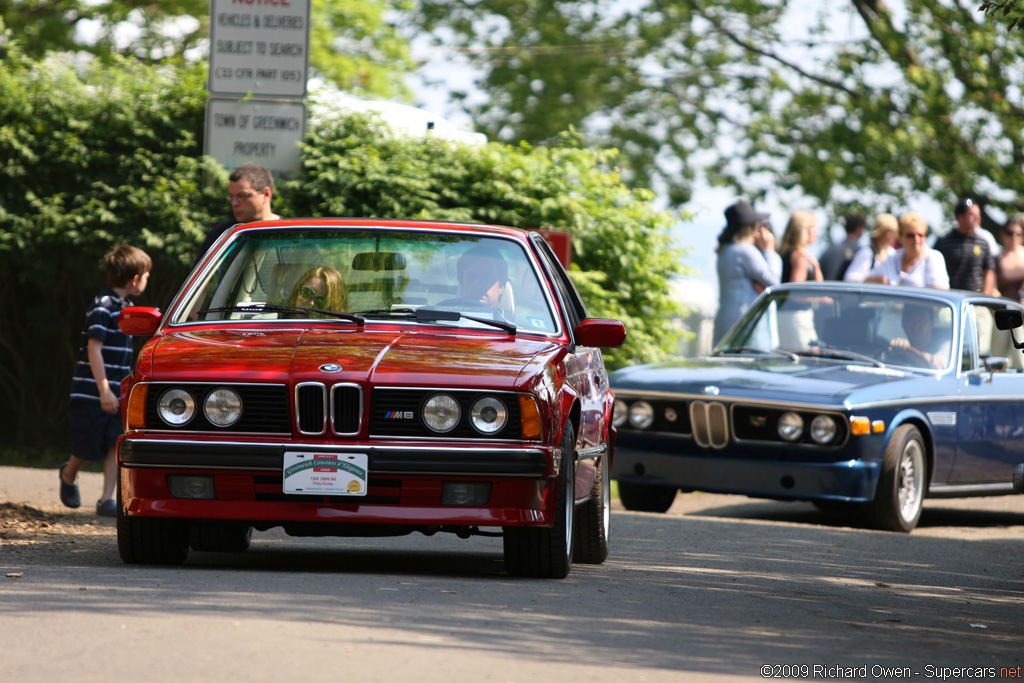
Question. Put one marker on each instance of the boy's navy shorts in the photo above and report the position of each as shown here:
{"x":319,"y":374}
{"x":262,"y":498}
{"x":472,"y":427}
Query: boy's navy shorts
{"x":93,"y":432}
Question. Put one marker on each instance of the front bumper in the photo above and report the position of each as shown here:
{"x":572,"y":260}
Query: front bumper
{"x":404,"y":483}
{"x":851,"y":480}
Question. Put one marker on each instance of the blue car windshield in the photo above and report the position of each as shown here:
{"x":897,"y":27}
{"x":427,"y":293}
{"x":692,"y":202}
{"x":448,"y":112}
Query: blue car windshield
{"x":860,"y":326}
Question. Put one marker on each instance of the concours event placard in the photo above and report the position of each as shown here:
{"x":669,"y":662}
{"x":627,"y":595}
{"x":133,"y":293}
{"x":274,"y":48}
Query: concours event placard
{"x":331,"y":474}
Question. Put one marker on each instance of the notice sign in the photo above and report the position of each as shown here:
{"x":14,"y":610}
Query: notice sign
{"x":259,"y":47}
{"x":331,"y":474}
{"x":265,"y":133}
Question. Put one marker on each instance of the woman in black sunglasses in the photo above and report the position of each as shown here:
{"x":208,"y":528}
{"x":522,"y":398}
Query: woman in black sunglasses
{"x":321,"y":288}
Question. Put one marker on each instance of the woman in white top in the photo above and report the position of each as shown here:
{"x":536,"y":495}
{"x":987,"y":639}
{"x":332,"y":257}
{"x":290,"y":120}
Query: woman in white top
{"x":884,"y":240}
{"x":916,"y":264}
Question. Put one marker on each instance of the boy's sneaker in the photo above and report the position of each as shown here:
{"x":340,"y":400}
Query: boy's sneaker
{"x":106,"y":508}
{"x":68,"y":492}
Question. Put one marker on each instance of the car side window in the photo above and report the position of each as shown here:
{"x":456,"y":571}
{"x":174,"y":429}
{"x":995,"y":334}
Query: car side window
{"x":567,"y":294}
{"x":995,"y":342}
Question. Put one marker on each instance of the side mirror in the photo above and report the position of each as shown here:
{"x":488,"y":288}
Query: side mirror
{"x":602,"y":333}
{"x":139,"y":321}
{"x":1008,"y":319}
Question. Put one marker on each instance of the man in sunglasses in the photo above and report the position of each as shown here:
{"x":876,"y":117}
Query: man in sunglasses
{"x":250,"y":189}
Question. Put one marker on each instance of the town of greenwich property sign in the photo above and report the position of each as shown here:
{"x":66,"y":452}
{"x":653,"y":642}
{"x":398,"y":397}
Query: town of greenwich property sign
{"x":259,"y":47}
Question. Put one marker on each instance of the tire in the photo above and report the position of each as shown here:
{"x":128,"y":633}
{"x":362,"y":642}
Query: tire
{"x":543,"y":552}
{"x":144,"y":540}
{"x":645,"y":497}
{"x":228,"y":537}
{"x":900,"y":495}
{"x":593,"y":520}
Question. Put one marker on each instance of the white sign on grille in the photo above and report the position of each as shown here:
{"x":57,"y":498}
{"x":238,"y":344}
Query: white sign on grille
{"x":259,"y":47}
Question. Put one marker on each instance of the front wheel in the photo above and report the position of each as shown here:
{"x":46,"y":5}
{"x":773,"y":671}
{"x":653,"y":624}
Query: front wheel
{"x":144,"y":540}
{"x":900,"y":495}
{"x":646,"y":497}
{"x":543,"y":552}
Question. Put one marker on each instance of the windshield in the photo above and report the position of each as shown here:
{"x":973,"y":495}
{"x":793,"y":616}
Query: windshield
{"x":858,"y":326}
{"x":364,"y":274}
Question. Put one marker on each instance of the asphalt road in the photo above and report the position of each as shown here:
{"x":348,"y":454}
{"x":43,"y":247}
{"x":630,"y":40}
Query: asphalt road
{"x":713,"y":591}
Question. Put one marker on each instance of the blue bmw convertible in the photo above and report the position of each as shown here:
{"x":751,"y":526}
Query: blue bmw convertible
{"x":861,"y":397}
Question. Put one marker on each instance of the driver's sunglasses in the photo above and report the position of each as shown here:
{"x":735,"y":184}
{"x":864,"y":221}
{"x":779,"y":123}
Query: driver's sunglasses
{"x":312,"y":295}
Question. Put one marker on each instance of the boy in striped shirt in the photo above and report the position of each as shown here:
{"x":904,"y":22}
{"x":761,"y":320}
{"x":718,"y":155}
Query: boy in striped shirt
{"x":104,"y":359}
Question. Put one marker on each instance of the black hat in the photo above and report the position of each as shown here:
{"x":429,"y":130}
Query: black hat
{"x":738,"y":216}
{"x":962,"y":206}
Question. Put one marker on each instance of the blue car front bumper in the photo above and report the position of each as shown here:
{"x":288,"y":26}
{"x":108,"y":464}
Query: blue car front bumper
{"x":848,"y":480}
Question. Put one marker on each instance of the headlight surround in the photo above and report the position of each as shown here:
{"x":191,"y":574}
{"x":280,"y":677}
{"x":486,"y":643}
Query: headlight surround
{"x":620,"y":414}
{"x":441,"y":413}
{"x":223,"y":407}
{"x":176,"y":407}
{"x":823,"y":429}
{"x":488,"y":415}
{"x":641,"y":415}
{"x":791,"y":426}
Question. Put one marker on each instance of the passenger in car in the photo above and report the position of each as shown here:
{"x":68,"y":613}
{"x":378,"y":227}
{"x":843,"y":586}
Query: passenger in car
{"x":323,"y":288}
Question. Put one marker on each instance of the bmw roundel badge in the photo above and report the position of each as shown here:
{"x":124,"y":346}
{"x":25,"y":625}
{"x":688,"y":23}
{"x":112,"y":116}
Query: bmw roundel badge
{"x":330,"y":367}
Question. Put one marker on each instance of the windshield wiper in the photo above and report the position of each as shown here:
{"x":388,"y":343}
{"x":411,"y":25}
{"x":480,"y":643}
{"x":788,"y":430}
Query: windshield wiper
{"x":755,"y":349}
{"x":830,"y":352}
{"x":435,"y":314}
{"x":390,"y":312}
{"x":278,"y":308}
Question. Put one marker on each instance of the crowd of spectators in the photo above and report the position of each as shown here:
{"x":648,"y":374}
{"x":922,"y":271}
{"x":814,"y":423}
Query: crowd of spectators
{"x":968,"y":257}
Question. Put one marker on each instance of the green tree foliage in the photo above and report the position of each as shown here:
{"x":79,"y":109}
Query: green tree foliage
{"x":623,"y":257}
{"x":353,"y":43}
{"x":920,"y":99}
{"x":114,"y":154}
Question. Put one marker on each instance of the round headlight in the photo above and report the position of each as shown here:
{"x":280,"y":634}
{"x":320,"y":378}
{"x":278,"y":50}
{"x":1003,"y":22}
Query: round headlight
{"x":620,"y":413}
{"x":441,"y":413}
{"x":488,"y":415}
{"x":791,"y":426}
{"x":223,"y":407}
{"x":641,"y":415}
{"x":823,"y":429}
{"x":176,"y":407}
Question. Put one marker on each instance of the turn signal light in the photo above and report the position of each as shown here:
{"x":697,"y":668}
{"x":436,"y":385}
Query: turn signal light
{"x":135,"y":416}
{"x":529,"y":417}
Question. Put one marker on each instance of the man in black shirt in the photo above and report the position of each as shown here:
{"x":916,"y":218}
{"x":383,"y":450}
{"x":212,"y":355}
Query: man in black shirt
{"x":836,"y":258}
{"x":969,"y":261}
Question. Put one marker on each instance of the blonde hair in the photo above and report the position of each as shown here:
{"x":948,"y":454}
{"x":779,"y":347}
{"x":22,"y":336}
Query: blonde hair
{"x":912,"y":219}
{"x":797,"y":231}
{"x":885,"y":224}
{"x":336,"y":298}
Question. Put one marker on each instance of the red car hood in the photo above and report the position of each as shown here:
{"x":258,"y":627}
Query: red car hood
{"x":385,"y":357}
